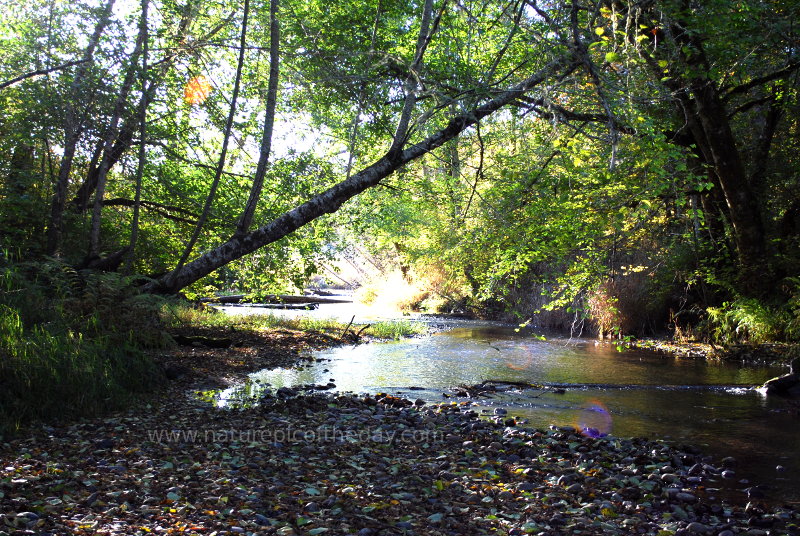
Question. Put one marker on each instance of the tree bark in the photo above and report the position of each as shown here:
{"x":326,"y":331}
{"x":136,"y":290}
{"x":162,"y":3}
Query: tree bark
{"x":144,"y":102}
{"x":744,"y":213}
{"x":111,"y":135}
{"x":72,"y":131}
{"x":269,"y":121}
{"x":226,"y":138}
{"x":332,"y":199}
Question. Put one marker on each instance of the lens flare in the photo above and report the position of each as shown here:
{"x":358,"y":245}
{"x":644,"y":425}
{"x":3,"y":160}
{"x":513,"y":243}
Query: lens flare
{"x":594,"y":419}
{"x":197,"y":90}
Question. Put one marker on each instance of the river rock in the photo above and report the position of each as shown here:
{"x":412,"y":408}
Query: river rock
{"x":786,"y":385}
{"x":698,"y":528}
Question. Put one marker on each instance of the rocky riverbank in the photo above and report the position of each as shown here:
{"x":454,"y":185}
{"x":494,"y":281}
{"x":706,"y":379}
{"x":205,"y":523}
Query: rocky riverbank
{"x":346,"y":464}
{"x":755,"y":354}
{"x":363,"y":465}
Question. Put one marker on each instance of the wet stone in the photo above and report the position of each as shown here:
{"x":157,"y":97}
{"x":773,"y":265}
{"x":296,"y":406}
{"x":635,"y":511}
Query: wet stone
{"x":698,"y":528}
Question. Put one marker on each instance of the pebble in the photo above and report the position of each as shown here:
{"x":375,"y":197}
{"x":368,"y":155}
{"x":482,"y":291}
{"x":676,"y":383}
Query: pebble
{"x":500,"y":411}
{"x":262,"y":520}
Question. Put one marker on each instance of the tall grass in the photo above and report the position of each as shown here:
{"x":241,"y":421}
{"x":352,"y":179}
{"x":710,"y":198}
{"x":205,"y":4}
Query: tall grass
{"x":71,"y":343}
{"x":181,"y":315}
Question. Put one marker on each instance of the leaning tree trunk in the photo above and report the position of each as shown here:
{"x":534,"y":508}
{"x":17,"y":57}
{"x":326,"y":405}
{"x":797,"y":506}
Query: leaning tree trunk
{"x":330,"y":200}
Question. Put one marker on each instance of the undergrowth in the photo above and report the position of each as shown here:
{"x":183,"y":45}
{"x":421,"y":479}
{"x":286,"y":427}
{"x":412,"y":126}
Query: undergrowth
{"x":71,"y":342}
{"x":182,"y":315}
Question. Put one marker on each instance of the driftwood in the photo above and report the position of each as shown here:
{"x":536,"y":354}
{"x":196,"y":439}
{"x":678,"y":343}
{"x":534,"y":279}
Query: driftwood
{"x":355,"y":337}
{"x":487,"y":387}
{"x":296,"y":306}
{"x":277,"y":299}
{"x":197,"y":340}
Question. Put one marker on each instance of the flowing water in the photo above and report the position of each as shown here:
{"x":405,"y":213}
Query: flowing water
{"x":626,"y":394}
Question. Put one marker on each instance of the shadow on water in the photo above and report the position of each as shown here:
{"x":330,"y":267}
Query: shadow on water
{"x":642,"y":394}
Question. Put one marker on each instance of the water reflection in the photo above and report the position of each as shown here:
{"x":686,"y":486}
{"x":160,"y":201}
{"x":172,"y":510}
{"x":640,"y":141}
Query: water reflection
{"x":640,"y":393}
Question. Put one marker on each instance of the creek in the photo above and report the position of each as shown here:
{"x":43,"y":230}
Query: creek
{"x":626,"y":394}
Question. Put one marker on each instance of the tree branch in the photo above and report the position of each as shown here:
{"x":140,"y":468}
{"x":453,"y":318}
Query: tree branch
{"x":755,"y":82}
{"x":40,"y":72}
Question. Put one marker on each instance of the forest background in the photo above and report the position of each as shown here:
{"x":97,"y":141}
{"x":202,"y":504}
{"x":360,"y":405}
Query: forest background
{"x":611,"y":168}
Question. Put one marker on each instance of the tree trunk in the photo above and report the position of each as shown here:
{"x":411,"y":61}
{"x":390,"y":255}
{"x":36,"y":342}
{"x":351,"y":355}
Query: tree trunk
{"x":745,"y":216}
{"x":226,"y":138}
{"x":111,"y":135}
{"x":142,"y":116}
{"x":269,"y":121}
{"x":72,"y":132}
{"x":330,"y":200}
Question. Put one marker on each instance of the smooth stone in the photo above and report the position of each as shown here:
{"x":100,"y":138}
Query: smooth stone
{"x":782,"y":385}
{"x":685,"y":497}
{"x":500,"y":411}
{"x":698,"y":527}
{"x":575,"y":488}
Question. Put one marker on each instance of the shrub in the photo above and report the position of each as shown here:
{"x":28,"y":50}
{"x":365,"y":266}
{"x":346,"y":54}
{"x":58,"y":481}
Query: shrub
{"x":746,"y":320}
{"x":72,"y":342}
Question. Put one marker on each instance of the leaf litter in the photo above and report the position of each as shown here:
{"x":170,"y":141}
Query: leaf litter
{"x":310,"y":464}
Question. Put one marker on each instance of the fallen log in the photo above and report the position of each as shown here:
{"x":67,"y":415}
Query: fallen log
{"x":291,"y":306}
{"x":275,"y":299}
{"x":487,"y":387}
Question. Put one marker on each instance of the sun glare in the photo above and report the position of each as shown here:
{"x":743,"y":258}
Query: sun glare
{"x":197,"y":90}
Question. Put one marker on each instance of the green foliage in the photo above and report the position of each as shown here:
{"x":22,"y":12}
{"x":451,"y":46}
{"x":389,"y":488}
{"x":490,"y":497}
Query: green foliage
{"x":396,"y":329}
{"x":179,"y":314}
{"x":71,"y":343}
{"x":746,"y":320}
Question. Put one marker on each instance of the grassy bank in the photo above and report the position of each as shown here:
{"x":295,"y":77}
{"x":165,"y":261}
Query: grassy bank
{"x":74,"y":344}
{"x":182,"y":316}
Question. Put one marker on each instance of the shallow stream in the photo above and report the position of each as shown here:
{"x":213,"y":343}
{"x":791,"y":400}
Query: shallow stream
{"x":626,"y":394}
